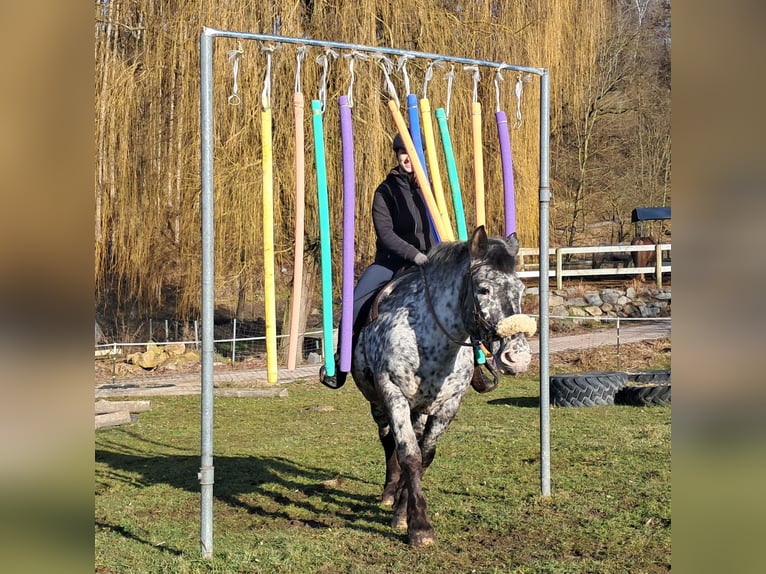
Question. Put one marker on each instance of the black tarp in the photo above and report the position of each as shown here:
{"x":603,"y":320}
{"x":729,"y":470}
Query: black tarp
{"x":649,"y":213}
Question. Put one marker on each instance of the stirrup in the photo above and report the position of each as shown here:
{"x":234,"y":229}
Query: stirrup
{"x":334,"y":382}
{"x":481,"y":382}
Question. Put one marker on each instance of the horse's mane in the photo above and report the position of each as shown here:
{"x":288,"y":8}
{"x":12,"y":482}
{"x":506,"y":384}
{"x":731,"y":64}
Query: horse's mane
{"x":449,"y":252}
{"x":498,"y":254}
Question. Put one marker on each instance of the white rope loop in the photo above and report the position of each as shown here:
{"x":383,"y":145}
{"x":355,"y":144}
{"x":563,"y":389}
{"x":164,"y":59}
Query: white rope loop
{"x":387,"y":66}
{"x":498,"y":78}
{"x":351,"y":57}
{"x":234,"y":99}
{"x":401,"y":64}
{"x":518,"y":91}
{"x":266,"y":93}
{"x":476,"y":79}
{"x":300,"y":56}
{"x":324,"y":61}
{"x":450,"y":78}
{"x":430,"y":74}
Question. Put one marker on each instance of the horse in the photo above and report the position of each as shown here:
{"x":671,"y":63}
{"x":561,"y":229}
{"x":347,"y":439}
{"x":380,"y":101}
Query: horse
{"x":414,"y":359}
{"x":643,"y":258}
{"x":614,"y":259}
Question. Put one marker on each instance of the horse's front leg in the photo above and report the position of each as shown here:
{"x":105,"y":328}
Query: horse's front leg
{"x":419,"y":530}
{"x":410,"y":502}
{"x":434,"y":428}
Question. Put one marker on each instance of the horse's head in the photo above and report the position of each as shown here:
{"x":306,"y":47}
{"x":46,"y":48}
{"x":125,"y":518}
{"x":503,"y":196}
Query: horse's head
{"x":496,"y":292}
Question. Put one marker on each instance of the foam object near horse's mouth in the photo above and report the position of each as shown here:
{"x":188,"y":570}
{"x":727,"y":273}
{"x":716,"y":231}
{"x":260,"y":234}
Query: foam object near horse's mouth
{"x":517,"y":324}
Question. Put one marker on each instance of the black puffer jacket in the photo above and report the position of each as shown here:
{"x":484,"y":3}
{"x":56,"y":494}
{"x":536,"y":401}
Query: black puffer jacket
{"x":401,"y":221}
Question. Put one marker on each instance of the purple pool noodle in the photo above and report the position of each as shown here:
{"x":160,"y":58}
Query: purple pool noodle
{"x":507,"y":163}
{"x":349,"y":191}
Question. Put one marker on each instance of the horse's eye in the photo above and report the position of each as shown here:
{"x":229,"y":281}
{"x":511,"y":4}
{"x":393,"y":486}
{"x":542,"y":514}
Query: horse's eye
{"x":483,"y":290}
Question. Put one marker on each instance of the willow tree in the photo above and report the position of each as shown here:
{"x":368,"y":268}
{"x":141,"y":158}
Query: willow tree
{"x":147,"y":183}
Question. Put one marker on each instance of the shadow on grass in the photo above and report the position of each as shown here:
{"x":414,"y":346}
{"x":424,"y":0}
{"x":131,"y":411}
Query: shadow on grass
{"x":125,"y":533}
{"x":523,"y":402}
{"x":276,"y":490}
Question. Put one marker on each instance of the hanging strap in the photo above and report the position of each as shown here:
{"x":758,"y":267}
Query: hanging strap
{"x":234,"y":99}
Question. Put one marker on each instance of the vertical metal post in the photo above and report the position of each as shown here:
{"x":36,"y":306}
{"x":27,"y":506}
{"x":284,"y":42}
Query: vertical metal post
{"x":618,"y":342}
{"x":208,"y":275}
{"x":658,"y":265}
{"x":545,"y":198}
{"x":233,"y":341}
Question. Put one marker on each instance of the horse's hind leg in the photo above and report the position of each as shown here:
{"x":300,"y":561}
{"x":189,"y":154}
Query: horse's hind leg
{"x":393,"y":470}
{"x":386,"y":436}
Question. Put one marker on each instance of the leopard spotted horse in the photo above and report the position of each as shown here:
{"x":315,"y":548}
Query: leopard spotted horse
{"x":415,"y":359}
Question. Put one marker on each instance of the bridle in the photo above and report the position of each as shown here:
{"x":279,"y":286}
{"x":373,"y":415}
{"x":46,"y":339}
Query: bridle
{"x":486,"y":333}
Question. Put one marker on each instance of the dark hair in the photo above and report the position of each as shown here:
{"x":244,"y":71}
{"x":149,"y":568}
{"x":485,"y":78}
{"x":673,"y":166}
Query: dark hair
{"x":398,"y":145}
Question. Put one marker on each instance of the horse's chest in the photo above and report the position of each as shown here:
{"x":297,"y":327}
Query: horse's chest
{"x":437,"y":398}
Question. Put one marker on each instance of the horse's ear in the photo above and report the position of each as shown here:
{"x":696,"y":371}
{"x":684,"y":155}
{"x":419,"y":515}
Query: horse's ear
{"x":513,"y":243}
{"x":478,"y":245}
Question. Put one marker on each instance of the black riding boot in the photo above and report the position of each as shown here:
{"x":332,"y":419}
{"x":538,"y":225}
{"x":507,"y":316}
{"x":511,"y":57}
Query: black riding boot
{"x":337,"y":380}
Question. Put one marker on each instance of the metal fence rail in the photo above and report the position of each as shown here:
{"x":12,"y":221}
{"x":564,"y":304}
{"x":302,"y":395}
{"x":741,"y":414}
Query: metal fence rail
{"x":559,"y":272}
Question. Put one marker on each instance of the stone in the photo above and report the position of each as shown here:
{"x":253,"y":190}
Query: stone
{"x":647,"y":312}
{"x":610,"y":296}
{"x":175,"y":349}
{"x":559,"y":311}
{"x":594,"y":311}
{"x":594,"y":299}
{"x":555,"y":301}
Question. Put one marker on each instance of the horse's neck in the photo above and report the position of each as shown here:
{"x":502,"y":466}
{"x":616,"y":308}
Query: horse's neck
{"x":446,"y":285}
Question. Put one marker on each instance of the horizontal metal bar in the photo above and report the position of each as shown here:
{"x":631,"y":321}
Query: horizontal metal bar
{"x":613,"y":248}
{"x":373,"y":49}
{"x":534,"y":252}
{"x":603,"y":271}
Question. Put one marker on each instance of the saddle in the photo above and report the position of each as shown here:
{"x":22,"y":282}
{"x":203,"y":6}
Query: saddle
{"x":385,"y":292}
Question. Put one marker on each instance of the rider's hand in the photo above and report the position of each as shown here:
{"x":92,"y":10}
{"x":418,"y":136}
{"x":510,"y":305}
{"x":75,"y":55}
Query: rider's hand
{"x":421,"y":259}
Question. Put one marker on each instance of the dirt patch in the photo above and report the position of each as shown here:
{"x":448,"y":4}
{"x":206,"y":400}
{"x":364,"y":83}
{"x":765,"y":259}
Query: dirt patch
{"x":651,"y":354}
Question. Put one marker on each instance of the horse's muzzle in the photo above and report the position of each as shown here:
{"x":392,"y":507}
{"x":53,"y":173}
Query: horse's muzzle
{"x":513,"y":355}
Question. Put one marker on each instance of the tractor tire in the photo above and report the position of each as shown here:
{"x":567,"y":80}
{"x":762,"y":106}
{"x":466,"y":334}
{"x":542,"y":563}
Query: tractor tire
{"x":586,"y":389}
{"x":658,"y":376}
{"x":644,"y":395}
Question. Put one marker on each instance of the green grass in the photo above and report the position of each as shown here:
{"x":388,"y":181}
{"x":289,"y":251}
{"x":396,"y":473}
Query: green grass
{"x":297,"y":482}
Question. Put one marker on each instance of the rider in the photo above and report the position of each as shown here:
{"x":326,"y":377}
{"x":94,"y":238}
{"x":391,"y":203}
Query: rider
{"x":403,"y":236}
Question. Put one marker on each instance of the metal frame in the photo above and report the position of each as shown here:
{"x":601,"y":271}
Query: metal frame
{"x":206,"y":473}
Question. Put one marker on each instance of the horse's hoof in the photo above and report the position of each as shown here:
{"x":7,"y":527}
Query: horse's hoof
{"x":420,"y":539}
{"x":399,"y":522}
{"x":387,"y":500}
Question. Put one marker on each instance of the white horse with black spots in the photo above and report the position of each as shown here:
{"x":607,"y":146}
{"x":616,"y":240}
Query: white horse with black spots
{"x":415,"y":359}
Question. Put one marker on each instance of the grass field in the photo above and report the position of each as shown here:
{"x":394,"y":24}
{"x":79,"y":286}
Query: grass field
{"x":297,"y":481}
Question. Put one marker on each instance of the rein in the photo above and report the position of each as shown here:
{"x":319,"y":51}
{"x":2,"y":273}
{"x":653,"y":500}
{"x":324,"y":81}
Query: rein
{"x":477,"y":316}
